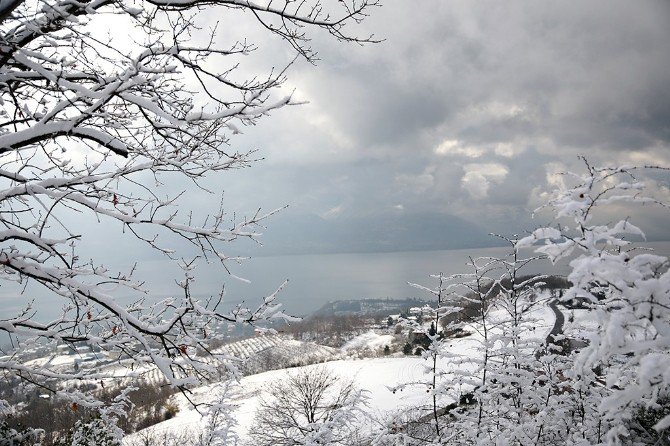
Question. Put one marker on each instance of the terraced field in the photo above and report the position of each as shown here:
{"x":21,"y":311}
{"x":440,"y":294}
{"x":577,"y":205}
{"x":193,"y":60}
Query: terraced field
{"x":252,"y":355}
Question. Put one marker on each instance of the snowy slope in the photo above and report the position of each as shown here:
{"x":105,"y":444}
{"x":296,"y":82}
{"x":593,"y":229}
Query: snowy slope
{"x":369,"y":340}
{"x":375,"y":376}
{"x":250,"y":355}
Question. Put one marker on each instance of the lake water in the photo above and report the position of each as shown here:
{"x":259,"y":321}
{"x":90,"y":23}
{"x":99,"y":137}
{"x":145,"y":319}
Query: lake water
{"x":313,"y":279}
{"x":317,"y":279}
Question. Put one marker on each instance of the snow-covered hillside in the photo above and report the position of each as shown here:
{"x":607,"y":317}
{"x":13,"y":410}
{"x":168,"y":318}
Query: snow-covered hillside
{"x":370,"y":341}
{"x":376,"y":376}
{"x":391,"y":384}
{"x":258,"y":353}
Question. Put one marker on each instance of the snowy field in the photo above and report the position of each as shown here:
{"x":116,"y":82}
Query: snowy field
{"x":369,"y":341}
{"x":377,"y":377}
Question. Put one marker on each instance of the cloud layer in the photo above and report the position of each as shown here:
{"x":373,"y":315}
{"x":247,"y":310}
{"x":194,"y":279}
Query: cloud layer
{"x":465,"y":109}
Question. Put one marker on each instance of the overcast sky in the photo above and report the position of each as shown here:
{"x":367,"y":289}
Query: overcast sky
{"x":458,"y":117}
{"x":448,"y":130}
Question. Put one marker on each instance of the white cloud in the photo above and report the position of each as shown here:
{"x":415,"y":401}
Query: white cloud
{"x":479,"y":176}
{"x":554,"y":175}
{"x":508,"y":150}
{"x":455,"y":147}
{"x":655,"y":156}
{"x":328,"y":126}
{"x":500,"y":110}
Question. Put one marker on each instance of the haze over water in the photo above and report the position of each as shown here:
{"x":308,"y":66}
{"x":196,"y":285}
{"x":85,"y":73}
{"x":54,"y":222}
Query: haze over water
{"x":318,"y":279}
{"x":313,"y":279}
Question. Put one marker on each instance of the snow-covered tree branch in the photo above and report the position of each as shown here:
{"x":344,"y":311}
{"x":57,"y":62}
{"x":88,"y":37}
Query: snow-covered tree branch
{"x":102,"y":104}
{"x":628,"y":290}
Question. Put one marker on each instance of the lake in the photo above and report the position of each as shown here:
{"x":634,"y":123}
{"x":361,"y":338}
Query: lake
{"x":317,"y":279}
{"x":313,"y":279}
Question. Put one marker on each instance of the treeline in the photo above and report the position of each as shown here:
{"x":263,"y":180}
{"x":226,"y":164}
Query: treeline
{"x":333,"y":330}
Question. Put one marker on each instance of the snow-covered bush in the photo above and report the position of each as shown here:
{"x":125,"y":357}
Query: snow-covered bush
{"x":518,"y":394}
{"x":627,"y":290}
{"x":530,"y":389}
{"x":90,"y":433}
{"x":19,"y":437}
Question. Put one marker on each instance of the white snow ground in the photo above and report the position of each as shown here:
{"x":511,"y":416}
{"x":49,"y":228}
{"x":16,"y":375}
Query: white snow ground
{"x":369,"y":341}
{"x":375,"y":376}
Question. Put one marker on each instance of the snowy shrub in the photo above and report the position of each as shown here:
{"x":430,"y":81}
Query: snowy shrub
{"x":90,"y":433}
{"x":627,"y":290}
{"x":309,"y":407}
{"x":646,"y":417}
{"x":20,"y":437}
{"x":527,"y":389}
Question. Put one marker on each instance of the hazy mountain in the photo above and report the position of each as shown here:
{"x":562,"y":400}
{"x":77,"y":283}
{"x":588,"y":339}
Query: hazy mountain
{"x":302,"y":234}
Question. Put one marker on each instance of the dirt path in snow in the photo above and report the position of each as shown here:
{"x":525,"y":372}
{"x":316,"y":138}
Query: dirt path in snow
{"x":558,"y":322}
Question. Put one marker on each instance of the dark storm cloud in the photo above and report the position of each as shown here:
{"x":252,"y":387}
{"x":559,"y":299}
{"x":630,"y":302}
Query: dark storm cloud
{"x":464,"y":108}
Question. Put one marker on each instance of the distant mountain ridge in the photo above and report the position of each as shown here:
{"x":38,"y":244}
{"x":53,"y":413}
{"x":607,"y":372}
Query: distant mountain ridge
{"x":312,"y":234}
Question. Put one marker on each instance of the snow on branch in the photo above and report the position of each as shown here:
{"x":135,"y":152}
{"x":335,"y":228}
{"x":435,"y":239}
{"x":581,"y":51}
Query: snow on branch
{"x":94,"y":128}
{"x":628,"y":291}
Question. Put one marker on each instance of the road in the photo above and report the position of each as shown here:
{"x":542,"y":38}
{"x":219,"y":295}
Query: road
{"x":558,"y":323}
